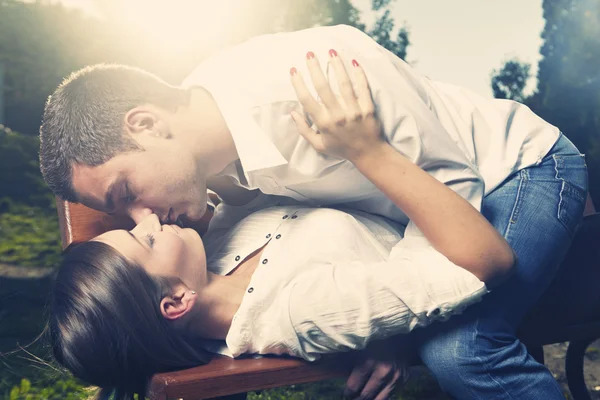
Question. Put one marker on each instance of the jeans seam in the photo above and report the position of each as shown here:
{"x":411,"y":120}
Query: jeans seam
{"x":516,"y":207}
{"x":563,"y":184}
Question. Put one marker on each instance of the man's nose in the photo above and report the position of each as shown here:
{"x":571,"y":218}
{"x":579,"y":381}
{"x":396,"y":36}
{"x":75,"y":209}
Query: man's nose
{"x":149,"y":224}
{"x":138,"y":214}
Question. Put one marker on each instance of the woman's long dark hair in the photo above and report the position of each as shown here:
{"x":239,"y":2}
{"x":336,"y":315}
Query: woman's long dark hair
{"x":106,"y":326}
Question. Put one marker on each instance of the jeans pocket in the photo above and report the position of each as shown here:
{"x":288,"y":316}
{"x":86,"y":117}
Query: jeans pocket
{"x":571,"y":170}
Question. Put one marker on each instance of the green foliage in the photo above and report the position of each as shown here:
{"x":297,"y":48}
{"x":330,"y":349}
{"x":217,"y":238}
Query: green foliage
{"x":568,"y":92}
{"x":20,"y":177}
{"x":509,"y":81}
{"x":67,"y":389}
{"x":37,"y":55}
{"x":382,"y":31}
{"x":29,"y":236}
{"x":41,"y":42}
{"x":422,"y":386}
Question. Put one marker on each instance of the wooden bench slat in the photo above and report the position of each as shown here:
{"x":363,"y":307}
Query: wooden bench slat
{"x":224,"y":376}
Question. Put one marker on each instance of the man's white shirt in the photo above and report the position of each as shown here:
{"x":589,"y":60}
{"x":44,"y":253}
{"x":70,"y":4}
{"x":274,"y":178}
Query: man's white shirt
{"x":467,"y":142}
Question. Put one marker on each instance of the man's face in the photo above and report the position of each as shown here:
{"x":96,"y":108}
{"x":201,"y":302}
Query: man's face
{"x":164,"y":180}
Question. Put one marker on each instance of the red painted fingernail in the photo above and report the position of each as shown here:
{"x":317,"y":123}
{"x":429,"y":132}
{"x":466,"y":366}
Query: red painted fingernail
{"x":293,"y":71}
{"x":332,"y":53}
{"x":310,"y":55}
{"x":355,"y":63}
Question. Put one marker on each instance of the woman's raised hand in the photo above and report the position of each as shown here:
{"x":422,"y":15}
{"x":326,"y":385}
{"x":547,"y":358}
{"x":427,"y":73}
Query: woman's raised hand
{"x":347,"y":125}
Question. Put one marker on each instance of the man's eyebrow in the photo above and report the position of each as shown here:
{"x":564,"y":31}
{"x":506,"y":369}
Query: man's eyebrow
{"x":109,"y":205}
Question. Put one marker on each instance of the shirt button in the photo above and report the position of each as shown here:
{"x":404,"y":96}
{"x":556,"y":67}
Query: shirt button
{"x":265,"y":261}
{"x":237,"y":258}
{"x":285,"y":217}
{"x":250,"y":290}
{"x":278,"y":236}
{"x":268,"y":236}
{"x":294,"y":216}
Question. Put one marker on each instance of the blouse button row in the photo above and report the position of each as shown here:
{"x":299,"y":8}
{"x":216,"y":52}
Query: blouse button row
{"x":250,"y":290}
{"x":237,"y":258}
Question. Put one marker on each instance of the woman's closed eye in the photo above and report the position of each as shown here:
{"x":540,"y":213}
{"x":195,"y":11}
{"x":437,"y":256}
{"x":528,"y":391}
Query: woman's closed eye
{"x":150,"y":238}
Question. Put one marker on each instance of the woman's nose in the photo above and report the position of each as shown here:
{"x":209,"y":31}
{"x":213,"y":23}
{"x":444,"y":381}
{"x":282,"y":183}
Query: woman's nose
{"x":149,"y":224}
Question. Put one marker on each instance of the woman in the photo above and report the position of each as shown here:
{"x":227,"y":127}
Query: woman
{"x":284,"y":280}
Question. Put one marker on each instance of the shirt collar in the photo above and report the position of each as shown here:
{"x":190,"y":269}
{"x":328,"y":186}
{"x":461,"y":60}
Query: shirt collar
{"x":255,"y":149}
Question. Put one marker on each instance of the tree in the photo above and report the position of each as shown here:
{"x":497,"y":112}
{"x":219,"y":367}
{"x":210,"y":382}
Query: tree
{"x":509,"y":81}
{"x":39,"y":47}
{"x":41,"y":42}
{"x":382,"y":31}
{"x":568,"y":92}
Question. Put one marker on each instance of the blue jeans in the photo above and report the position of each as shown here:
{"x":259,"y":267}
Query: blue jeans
{"x":476,"y":355}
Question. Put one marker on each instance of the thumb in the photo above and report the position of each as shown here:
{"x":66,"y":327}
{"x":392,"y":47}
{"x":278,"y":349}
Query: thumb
{"x":306,"y":131}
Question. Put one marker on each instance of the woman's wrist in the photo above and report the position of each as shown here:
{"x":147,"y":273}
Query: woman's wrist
{"x":373,"y":155}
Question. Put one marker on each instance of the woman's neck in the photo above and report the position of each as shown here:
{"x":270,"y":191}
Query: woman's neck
{"x":221,"y":298}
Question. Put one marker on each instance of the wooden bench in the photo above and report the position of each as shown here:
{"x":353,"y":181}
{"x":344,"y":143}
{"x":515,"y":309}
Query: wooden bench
{"x":568,"y":311}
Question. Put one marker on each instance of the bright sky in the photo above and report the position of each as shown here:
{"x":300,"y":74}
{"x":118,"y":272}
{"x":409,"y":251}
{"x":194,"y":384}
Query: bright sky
{"x":462,"y":41}
{"x":457,"y":41}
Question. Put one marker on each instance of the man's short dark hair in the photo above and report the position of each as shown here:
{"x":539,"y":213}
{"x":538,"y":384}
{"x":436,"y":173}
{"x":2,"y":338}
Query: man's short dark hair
{"x":83,"y":119}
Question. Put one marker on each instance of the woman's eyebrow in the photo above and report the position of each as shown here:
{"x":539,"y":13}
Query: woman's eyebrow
{"x":136,"y":239}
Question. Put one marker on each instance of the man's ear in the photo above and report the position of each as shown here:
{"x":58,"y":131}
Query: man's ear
{"x":177,"y":305}
{"x":146,"y":120}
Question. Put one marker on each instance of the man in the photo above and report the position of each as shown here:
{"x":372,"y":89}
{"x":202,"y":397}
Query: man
{"x":120,"y":140}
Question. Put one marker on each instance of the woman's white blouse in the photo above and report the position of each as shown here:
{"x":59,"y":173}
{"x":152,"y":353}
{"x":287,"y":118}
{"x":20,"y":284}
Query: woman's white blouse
{"x":326,"y":281}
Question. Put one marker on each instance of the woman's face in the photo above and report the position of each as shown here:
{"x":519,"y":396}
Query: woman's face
{"x":163,"y":250}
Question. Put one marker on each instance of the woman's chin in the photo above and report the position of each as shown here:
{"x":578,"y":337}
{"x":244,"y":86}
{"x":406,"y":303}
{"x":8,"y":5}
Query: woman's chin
{"x":193,"y":238}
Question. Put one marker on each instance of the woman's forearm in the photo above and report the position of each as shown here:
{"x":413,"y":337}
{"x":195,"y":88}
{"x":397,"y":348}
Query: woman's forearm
{"x":450,"y":223}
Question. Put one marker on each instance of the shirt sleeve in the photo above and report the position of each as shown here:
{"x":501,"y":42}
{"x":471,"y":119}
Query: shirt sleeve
{"x":345,"y":306}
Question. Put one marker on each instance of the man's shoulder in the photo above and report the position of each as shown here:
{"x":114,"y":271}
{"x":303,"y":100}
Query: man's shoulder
{"x":270,"y":50}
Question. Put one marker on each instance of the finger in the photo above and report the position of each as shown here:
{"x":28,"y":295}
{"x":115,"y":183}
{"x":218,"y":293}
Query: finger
{"x":310,"y":105}
{"x":344,"y":83}
{"x":322,"y":85}
{"x":380,"y":378}
{"x":312,"y":136}
{"x":357,"y":380}
{"x":386,"y":392}
{"x":399,"y":379}
{"x":364,"y":97}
